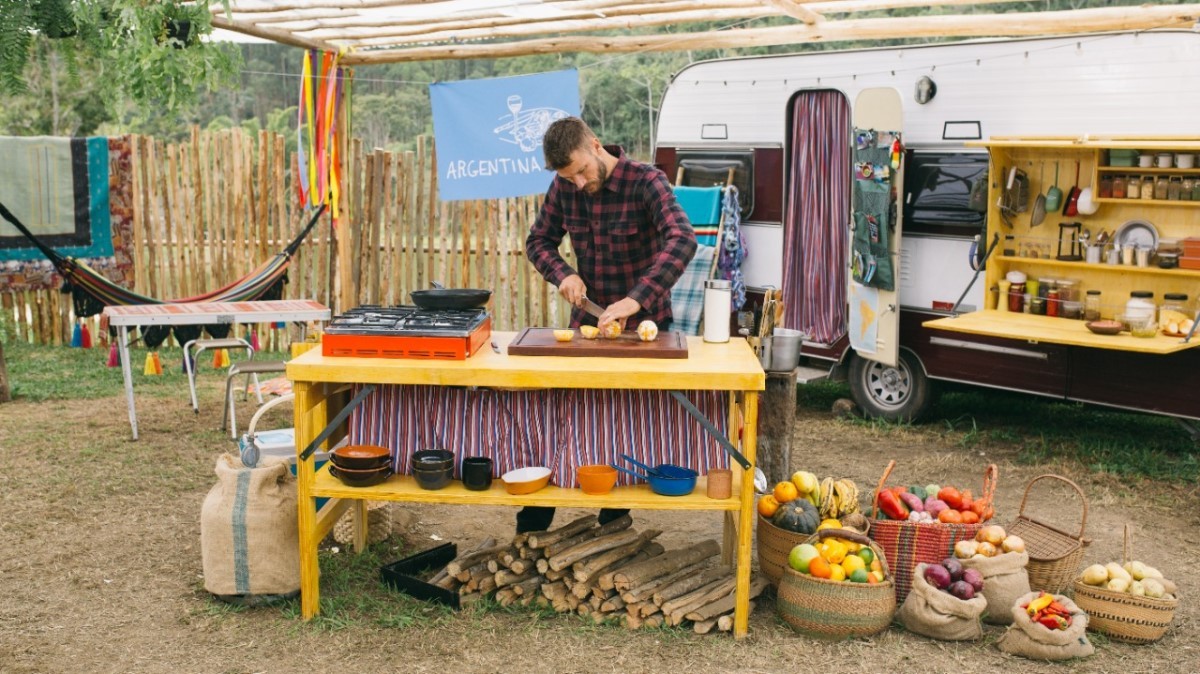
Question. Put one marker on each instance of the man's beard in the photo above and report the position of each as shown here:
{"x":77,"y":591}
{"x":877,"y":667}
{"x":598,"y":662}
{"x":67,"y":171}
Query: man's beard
{"x":593,"y":187}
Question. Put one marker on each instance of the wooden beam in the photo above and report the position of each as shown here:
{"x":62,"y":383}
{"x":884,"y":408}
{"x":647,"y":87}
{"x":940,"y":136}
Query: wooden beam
{"x":280,"y":36}
{"x":796,"y":11}
{"x":1069,"y":22}
{"x":267,"y":6}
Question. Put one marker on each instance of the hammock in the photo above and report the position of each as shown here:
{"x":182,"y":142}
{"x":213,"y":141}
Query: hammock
{"x":91,"y":292}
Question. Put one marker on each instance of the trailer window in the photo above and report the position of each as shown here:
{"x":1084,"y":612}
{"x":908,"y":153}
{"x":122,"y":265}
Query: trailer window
{"x":708,"y":168}
{"x":937,"y":191}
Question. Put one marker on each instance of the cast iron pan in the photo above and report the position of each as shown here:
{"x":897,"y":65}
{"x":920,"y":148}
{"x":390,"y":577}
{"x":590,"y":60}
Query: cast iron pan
{"x":450,"y":298}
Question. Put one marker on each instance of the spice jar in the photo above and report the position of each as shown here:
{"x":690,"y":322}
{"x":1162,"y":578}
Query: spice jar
{"x":1091,"y":306}
{"x":1106,"y":187}
{"x":1174,"y":188}
{"x":1176,"y":302}
{"x":1016,"y":291}
{"x":1118,"y":187}
{"x":1133,"y":187}
{"x":1052,"y":302}
{"x":1186,"y":188}
{"x":1196,"y":190}
{"x":1148,"y":188}
{"x":1161,"y":188}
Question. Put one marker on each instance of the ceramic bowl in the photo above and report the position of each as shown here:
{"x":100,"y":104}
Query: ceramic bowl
{"x":597,"y":479}
{"x":1105,"y":327}
{"x":361,"y":457}
{"x":432,"y":459}
{"x":361,"y":478}
{"x":526,"y":480}
{"x":432,"y":479}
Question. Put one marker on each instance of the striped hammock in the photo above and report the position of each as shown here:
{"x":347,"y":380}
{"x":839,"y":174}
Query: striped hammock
{"x":91,"y":292}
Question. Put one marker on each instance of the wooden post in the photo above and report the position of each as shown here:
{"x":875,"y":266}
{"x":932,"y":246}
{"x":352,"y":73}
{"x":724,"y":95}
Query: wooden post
{"x":777,"y":422}
{"x":5,"y":392}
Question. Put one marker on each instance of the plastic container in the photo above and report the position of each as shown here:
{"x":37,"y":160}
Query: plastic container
{"x":717,"y":303}
{"x":1140,"y":307}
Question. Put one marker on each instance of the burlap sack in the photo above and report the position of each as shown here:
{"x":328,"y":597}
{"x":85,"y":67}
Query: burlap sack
{"x":249,"y":538}
{"x":1031,"y":640}
{"x":934,"y":613}
{"x":1004,"y":581}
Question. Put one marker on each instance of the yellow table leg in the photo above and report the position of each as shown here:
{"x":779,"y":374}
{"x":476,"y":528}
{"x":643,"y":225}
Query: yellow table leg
{"x":741,"y":615}
{"x":307,"y":426}
{"x":361,"y":525}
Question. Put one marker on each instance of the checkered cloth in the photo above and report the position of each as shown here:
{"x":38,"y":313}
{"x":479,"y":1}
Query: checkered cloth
{"x":687,"y":296}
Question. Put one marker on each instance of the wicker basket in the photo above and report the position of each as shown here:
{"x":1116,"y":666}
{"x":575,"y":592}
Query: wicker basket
{"x":910,"y":543}
{"x":1054,"y":555}
{"x":1123,"y":616}
{"x":831,"y":609}
{"x":379,"y":524}
{"x":774,"y":546}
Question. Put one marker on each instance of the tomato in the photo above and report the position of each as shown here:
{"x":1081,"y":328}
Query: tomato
{"x":951,"y":496}
{"x":970,"y":517}
{"x":950,"y":516}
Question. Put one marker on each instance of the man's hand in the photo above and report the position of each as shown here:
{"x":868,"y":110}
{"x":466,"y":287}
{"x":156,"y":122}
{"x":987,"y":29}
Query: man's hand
{"x":618,"y":312}
{"x":573,"y":290}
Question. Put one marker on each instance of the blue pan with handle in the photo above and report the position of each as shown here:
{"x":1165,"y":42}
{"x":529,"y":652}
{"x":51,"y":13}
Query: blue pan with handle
{"x":663,"y":469}
{"x":676,"y":482}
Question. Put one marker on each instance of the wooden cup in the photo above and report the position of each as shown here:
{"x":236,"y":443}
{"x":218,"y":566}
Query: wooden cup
{"x":720,"y":483}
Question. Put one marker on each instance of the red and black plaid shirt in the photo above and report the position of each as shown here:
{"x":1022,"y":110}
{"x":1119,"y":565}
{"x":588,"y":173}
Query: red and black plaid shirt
{"x":631,"y":239}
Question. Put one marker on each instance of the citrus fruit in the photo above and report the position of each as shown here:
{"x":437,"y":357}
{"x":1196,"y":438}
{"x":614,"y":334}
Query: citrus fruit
{"x":836,"y":551}
{"x":805,"y":481}
{"x":829,"y":524}
{"x":801,"y":555}
{"x":819,"y":568}
{"x":876,"y":565}
{"x":871,"y":579}
{"x":786,"y":491}
{"x":613,"y":330}
{"x":564,"y":335}
{"x":859,"y":576}
{"x":853,"y":563}
{"x":767,"y":506}
{"x":589,"y":331}
{"x":836,"y":572}
{"x":878,"y":576}
{"x":867,"y":554}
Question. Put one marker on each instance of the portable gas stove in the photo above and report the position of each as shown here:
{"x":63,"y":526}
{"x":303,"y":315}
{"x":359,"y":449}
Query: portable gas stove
{"x":371,"y":331}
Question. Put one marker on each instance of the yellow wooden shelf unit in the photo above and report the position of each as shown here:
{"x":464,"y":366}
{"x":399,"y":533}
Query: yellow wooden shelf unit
{"x":321,"y":385}
{"x":1055,"y":330}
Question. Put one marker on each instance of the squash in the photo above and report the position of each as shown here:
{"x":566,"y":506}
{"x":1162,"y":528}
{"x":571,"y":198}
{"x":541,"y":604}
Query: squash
{"x":799,"y":516}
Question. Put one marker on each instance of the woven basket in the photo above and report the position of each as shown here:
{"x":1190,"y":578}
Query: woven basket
{"x":831,"y":609}
{"x":1123,"y":616}
{"x":379,"y":524}
{"x":774,"y":546}
{"x":910,"y":543}
{"x":1054,"y":555}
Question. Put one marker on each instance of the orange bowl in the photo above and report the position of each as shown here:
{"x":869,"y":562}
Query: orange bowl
{"x":526,"y":480}
{"x":597,"y":479}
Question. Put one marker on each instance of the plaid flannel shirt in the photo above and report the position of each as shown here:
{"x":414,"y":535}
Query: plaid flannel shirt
{"x":631,"y":240}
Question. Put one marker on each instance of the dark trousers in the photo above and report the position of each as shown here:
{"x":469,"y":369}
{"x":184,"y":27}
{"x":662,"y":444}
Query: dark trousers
{"x":538,"y":518}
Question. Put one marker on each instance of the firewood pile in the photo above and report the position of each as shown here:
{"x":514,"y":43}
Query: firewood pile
{"x":610,"y":573}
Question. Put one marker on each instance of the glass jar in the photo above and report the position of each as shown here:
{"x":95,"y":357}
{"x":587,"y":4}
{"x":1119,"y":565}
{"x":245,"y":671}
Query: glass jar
{"x":1186,"y":188}
{"x":1052,"y":302}
{"x":1196,"y":190}
{"x":1106,"y":187}
{"x":1140,"y":308}
{"x":1118,"y":187}
{"x":1148,"y":188}
{"x":1133,"y":187}
{"x":1174,"y":188}
{"x":1091,"y":306}
{"x":1172,"y":302}
{"x":1161,"y":188}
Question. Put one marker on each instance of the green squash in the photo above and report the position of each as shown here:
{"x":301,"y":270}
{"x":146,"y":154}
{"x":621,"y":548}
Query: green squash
{"x":799,"y":516}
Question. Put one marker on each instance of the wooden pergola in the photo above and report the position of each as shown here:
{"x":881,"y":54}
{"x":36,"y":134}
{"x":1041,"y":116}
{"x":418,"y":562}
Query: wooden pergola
{"x":382,"y":31}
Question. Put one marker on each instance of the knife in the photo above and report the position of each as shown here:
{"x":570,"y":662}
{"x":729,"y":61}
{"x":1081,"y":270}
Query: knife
{"x":592,"y":308}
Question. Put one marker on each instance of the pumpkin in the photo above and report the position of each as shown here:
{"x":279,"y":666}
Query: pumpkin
{"x":799,"y":516}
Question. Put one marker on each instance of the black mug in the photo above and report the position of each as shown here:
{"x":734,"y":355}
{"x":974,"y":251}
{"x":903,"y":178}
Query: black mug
{"x":477,"y":473}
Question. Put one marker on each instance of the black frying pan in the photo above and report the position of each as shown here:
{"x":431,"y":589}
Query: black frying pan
{"x":450,"y":298}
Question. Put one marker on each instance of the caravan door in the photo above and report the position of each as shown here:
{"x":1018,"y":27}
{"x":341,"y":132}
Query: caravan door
{"x":873,"y":305}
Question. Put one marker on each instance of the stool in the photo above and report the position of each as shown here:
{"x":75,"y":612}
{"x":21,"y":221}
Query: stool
{"x":250,"y":368}
{"x":201,"y":346}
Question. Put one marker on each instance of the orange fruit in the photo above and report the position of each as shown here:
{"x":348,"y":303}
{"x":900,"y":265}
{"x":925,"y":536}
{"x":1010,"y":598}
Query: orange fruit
{"x":786,"y":491}
{"x":876,"y":565}
{"x":819,"y":568}
{"x":767,"y":506}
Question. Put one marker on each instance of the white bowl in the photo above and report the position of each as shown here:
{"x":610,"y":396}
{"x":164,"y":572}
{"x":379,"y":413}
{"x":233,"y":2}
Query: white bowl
{"x":526,"y":480}
{"x":1185,"y":161}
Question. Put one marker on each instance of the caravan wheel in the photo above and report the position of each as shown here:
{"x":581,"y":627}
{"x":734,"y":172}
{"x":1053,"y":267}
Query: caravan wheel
{"x":900,"y":393}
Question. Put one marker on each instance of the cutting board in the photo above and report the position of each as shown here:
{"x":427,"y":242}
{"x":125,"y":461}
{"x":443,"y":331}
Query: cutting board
{"x":541,"y":342}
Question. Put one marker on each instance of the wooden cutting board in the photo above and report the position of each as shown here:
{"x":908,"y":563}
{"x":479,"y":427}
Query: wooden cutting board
{"x":541,"y":342}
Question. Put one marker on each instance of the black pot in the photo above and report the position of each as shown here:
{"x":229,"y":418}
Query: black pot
{"x":450,"y":298}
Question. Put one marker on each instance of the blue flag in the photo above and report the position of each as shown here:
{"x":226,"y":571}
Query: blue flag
{"x":489,"y":133}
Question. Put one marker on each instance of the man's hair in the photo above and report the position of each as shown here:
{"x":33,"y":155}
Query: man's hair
{"x":562,"y":138}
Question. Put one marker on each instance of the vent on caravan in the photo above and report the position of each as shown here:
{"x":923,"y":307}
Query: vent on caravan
{"x":706,"y":168}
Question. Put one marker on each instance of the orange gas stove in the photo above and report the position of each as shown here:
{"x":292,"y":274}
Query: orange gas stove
{"x":371,"y":331}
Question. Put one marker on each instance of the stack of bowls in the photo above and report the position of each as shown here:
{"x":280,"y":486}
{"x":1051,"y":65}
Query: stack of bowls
{"x":433,"y":468}
{"x":361,"y":465}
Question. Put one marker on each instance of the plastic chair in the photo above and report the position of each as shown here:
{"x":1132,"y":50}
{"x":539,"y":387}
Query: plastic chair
{"x":250,"y":368}
{"x":201,"y":345}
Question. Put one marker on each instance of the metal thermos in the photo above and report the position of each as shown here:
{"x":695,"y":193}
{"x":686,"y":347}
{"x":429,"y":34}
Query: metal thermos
{"x":717,"y":305}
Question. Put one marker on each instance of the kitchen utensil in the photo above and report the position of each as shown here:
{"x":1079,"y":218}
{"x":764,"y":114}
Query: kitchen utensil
{"x":667,"y":470}
{"x":1136,"y":233}
{"x":596,"y":479}
{"x":1038,"y":213}
{"x":361,"y":457}
{"x":477,"y":473}
{"x":592,"y":308}
{"x":1104,"y":327}
{"x":720,"y":483}
{"x":1071,"y":207}
{"x":1087,"y":203}
{"x":541,"y":342}
{"x":361,"y":478}
{"x":1068,"y":233}
{"x":665,"y":486}
{"x":429,"y":459}
{"x":450,"y":298}
{"x":432,"y":479}
{"x":525,"y":480}
{"x":1055,"y":195}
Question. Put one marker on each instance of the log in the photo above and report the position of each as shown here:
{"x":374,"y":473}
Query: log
{"x":526,"y":552}
{"x":464,"y":576}
{"x":641,"y":572}
{"x":505,"y":596}
{"x":559,"y":546}
{"x":605,"y":577}
{"x":551,"y":574}
{"x":584,"y":609}
{"x":652,"y":621}
{"x":724,"y":604}
{"x":700,"y":598}
{"x":595,"y":546}
{"x":528,"y":586}
{"x":614,"y":603}
{"x":466,"y":599}
{"x":446,"y":582}
{"x":528,"y":599}
{"x":509,"y":556}
{"x":542,"y":565}
{"x":582,"y":590}
{"x":704,"y":626}
{"x":437,"y":577}
{"x":595,"y":603}
{"x":505,"y":577}
{"x":725,"y":622}
{"x":472,"y":558}
{"x":553,"y":590}
{"x":540,"y":539}
{"x":519,"y":540}
{"x":647,"y":590}
{"x":695,"y":597}
{"x":584,"y":569}
{"x":521,"y":565}
{"x":487,"y":585}
{"x":686,"y":585}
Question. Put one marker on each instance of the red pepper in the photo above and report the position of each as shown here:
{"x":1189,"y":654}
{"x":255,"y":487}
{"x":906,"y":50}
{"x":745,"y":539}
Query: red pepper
{"x":892,"y":506}
{"x":1053,"y":622}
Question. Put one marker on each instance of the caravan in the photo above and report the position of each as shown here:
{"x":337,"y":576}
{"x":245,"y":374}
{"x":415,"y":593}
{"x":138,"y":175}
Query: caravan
{"x":1059,"y":113}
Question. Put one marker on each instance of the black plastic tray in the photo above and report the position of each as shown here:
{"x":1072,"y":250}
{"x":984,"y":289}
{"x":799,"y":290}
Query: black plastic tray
{"x":402,"y":575}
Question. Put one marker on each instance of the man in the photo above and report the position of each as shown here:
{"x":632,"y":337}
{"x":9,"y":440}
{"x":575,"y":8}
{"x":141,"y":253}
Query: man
{"x":631,"y":239}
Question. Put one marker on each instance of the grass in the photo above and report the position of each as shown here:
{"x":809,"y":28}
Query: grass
{"x":1045,"y":430}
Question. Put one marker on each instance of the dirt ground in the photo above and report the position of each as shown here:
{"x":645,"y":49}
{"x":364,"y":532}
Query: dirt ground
{"x":101,"y":572}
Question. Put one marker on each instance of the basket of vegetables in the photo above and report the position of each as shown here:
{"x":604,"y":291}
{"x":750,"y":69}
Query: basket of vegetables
{"x":1129,"y":602}
{"x":915,"y":526}
{"x":795,"y":509}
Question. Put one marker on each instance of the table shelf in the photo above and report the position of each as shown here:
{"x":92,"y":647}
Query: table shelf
{"x":1152,"y":270}
{"x":1054,"y":330}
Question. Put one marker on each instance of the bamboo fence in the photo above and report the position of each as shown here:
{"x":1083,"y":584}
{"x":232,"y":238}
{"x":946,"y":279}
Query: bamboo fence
{"x":210,"y":209}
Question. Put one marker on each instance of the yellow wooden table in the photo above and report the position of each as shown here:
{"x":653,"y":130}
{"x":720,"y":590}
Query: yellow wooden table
{"x":320,"y":384}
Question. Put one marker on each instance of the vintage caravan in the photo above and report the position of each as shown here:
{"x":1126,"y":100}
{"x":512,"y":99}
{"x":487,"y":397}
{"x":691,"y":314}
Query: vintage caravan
{"x":988,"y":131}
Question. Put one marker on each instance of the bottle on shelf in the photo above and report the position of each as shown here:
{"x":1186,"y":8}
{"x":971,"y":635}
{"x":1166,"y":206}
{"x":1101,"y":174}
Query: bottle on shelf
{"x":1186,"y":188}
{"x":1091,"y":305}
{"x":1148,"y":188}
{"x":1161,"y":188}
{"x":1118,"y":187}
{"x":1174,"y":188}
{"x":1133,"y":187}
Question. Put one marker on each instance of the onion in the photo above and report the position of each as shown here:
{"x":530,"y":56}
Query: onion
{"x":1013,"y":544}
{"x":993,"y":534}
{"x":973,"y":578}
{"x":953,"y":567}
{"x":962,"y":590}
{"x":937,"y":576}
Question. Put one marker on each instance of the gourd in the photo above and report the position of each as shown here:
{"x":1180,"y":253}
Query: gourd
{"x":799,"y":516}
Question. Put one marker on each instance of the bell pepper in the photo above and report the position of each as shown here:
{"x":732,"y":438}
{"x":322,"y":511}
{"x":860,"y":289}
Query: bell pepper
{"x":1054,"y":622}
{"x":1038,"y":603}
{"x":891,"y":505}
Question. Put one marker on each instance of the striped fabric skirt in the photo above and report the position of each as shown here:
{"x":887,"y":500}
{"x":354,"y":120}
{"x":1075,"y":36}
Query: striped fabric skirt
{"x":561,"y":429}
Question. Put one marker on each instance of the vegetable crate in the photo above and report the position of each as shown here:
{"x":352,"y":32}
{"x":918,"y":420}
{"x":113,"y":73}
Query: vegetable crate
{"x":910,"y":543}
{"x":1123,"y":616}
{"x":831,"y":609}
{"x":1054,"y":555}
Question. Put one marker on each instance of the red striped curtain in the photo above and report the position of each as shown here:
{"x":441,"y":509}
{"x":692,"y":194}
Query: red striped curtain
{"x":816,"y":222}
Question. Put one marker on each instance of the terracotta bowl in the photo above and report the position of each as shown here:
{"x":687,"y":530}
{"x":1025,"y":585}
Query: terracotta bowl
{"x":361,"y":457}
{"x":361,"y":478}
{"x":597,"y":479}
{"x":526,"y":480}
